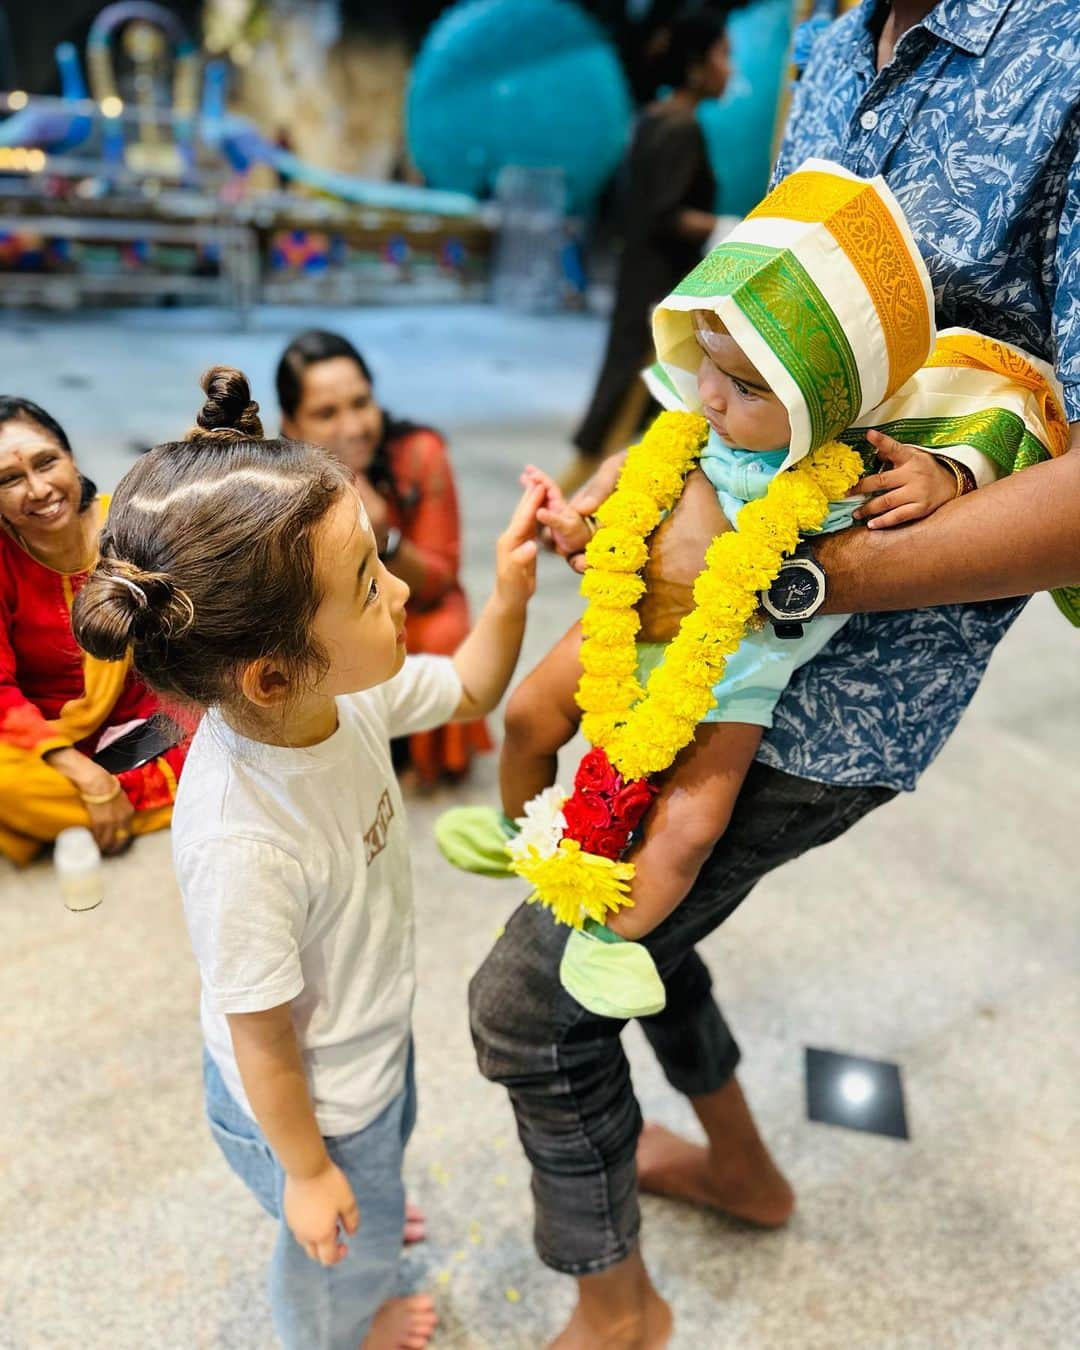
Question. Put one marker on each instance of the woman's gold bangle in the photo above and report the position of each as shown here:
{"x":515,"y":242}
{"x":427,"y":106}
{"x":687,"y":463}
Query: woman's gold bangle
{"x":102,"y":798}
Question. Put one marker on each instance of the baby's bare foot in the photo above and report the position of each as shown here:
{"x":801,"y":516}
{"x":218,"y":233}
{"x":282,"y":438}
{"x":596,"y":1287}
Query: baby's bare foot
{"x":415,"y":1225}
{"x":402,"y":1324}
{"x":745,"y":1186}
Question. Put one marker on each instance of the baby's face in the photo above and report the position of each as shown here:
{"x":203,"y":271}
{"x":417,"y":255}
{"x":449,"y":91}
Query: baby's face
{"x":737,"y":403}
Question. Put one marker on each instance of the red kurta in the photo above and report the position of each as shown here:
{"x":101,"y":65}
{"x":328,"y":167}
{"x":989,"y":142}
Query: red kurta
{"x":42,"y":673}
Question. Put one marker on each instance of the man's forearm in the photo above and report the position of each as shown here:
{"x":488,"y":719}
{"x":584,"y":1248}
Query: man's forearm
{"x":1016,"y":536}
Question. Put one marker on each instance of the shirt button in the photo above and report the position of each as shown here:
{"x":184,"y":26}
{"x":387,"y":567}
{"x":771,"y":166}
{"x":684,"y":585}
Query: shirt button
{"x":869,"y":120}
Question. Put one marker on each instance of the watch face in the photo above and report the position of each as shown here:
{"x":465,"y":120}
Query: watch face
{"x":795,"y":590}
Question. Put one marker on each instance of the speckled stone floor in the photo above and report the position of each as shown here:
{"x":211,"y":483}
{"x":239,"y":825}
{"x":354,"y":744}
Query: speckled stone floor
{"x":941,"y":933}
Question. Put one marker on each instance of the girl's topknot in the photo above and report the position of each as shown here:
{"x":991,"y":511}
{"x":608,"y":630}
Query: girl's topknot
{"x":229,"y":413}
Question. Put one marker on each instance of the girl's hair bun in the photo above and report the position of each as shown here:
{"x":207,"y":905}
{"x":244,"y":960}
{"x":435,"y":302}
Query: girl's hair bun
{"x":229,"y":413}
{"x":120,"y":604}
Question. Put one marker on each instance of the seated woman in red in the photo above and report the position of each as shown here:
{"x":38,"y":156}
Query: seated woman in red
{"x":325,"y":391}
{"x":57,"y":705}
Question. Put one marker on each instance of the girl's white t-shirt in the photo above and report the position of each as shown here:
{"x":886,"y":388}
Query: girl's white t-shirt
{"x":294,"y":871}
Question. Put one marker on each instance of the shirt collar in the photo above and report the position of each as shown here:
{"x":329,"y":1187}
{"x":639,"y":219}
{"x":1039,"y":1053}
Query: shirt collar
{"x":967,"y":24}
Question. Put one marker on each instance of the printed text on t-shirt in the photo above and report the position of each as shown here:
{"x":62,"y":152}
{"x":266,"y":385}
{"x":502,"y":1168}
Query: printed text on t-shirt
{"x":375,"y":838}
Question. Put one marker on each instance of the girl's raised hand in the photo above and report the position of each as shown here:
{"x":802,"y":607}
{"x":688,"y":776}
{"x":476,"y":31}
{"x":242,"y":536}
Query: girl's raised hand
{"x":515,"y":551}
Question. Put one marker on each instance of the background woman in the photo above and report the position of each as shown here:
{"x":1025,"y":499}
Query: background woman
{"x":326,"y":394}
{"x":56,"y":703}
{"x":668,"y":209}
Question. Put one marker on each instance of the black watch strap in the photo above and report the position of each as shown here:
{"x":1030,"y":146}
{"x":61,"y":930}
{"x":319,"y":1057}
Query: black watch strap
{"x":787,"y":629}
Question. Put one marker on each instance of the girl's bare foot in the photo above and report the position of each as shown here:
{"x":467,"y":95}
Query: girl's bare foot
{"x":617,"y":1309}
{"x":402,"y":1324}
{"x":415,"y":1225}
{"x":744,"y":1183}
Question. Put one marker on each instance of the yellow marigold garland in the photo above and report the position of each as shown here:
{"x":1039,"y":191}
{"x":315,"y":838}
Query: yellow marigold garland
{"x":642,"y":731}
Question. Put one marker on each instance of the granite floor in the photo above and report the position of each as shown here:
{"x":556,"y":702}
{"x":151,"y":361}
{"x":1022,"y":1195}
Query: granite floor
{"x":940,"y":933}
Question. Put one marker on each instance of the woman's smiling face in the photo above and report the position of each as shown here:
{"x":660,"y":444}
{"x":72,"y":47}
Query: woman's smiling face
{"x":40,"y":487}
{"x":337,"y":409}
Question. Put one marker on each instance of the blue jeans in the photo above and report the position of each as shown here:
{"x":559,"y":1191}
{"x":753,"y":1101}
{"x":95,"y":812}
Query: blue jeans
{"x":317,"y":1307}
{"x":565,"y":1070}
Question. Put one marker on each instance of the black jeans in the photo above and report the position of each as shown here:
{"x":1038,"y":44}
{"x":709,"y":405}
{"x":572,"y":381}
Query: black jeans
{"x":567,"y":1075}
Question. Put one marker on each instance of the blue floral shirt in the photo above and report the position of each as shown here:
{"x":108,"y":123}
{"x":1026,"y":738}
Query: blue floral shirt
{"x":975,"y":125}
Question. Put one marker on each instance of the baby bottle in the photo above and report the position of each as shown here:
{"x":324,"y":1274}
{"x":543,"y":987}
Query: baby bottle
{"x":78,"y":865}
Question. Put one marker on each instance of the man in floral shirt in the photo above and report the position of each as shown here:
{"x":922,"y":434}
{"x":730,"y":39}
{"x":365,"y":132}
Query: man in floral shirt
{"x":970,"y":109}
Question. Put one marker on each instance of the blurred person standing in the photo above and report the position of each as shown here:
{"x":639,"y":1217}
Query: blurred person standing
{"x":670,"y":194}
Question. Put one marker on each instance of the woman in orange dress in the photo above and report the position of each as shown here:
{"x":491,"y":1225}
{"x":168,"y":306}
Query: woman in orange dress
{"x":326,"y":394}
{"x":56,"y":703}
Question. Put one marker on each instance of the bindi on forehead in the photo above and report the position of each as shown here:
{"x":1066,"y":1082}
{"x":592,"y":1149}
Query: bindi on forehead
{"x":25,"y":438}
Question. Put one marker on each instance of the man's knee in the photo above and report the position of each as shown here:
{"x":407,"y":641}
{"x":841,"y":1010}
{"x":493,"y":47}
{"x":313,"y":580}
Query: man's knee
{"x":484,"y":1019}
{"x":517,"y":1008}
{"x":503,"y":1020}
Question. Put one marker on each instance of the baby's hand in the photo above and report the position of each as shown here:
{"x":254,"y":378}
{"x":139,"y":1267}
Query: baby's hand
{"x":515,"y":551}
{"x":567,"y":530}
{"x":916,"y":485}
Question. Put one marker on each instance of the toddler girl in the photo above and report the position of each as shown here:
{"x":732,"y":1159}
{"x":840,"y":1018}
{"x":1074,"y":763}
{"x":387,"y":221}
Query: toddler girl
{"x":243,"y":573}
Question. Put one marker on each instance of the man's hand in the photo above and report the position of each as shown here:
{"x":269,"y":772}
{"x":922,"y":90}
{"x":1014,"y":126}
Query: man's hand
{"x":916,"y":485}
{"x":314,"y":1206}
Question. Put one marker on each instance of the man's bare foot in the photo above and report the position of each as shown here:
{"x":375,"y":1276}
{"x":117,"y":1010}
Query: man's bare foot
{"x":744,"y":1183}
{"x":415,"y":1225}
{"x":402,"y":1324}
{"x":651,"y":1331}
{"x":617,"y":1309}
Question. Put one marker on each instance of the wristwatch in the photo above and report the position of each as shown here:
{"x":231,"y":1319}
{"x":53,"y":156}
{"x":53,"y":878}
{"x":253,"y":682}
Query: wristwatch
{"x":797,"y":593}
{"x":393,"y":543}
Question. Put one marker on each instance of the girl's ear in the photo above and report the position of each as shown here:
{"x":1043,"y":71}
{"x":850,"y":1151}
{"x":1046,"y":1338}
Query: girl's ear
{"x":264,"y":683}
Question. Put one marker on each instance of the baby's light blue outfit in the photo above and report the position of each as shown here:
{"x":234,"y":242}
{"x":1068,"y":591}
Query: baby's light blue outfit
{"x":759,"y":670}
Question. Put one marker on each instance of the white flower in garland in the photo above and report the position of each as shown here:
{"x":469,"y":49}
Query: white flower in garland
{"x":542,"y":825}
